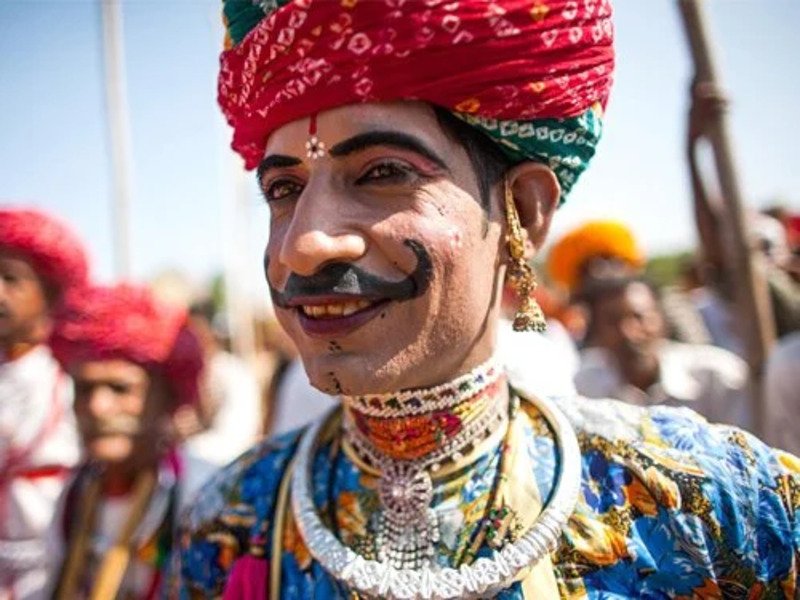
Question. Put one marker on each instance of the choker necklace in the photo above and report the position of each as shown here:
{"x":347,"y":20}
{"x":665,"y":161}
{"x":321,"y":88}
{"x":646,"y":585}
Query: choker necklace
{"x":416,"y":402}
{"x":485,"y":577}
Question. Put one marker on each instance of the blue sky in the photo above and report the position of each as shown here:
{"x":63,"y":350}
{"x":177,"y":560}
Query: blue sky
{"x":54,"y":149}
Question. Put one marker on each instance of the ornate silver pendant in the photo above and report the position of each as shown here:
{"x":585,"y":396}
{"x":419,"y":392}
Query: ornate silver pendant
{"x":407,"y":528}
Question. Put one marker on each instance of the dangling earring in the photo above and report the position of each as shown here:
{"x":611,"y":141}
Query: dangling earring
{"x":529,"y":316}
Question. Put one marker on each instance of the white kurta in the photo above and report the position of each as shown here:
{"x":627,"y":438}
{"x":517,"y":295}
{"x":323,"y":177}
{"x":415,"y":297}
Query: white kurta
{"x":38,"y":444}
{"x":707,"y":379}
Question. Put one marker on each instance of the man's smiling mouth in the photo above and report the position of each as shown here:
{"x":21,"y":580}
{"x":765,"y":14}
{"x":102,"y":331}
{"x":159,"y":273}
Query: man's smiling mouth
{"x":335,"y":309}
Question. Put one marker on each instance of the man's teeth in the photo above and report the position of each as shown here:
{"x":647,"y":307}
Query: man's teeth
{"x":340,"y":309}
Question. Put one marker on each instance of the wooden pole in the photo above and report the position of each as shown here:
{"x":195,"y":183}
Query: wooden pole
{"x":754,"y":312}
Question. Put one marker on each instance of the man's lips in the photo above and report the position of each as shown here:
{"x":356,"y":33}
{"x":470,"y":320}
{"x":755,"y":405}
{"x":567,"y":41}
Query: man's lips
{"x":327,"y":316}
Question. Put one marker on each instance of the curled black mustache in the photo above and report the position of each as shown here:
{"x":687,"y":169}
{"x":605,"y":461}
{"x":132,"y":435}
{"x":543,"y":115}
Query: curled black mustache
{"x":349,"y":279}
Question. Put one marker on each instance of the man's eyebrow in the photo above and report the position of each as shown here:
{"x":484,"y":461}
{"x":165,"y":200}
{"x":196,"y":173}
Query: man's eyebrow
{"x":393,"y":139}
{"x":276,"y":160}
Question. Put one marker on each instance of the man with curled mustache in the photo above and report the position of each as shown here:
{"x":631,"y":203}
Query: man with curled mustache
{"x":134,"y":363}
{"x":412,"y":155}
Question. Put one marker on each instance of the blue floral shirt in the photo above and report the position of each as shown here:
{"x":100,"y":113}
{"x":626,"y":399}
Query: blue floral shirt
{"x":671,"y":507}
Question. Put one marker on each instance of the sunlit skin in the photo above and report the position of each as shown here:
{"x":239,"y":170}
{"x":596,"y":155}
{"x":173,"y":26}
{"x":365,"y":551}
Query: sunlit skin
{"x":123,"y":416}
{"x":24,"y":310}
{"x":391,"y":175}
{"x":630,"y":325}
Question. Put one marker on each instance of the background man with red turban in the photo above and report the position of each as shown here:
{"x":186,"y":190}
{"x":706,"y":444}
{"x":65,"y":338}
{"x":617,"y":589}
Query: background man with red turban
{"x":134,"y":362}
{"x":410,"y":152}
{"x":40,"y":260}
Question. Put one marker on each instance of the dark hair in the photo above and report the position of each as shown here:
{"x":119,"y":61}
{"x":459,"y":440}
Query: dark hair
{"x":602,"y":289}
{"x":488,"y":160}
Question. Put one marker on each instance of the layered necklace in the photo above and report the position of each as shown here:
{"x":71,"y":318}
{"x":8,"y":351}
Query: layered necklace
{"x":407,"y":447}
{"x":407,"y":438}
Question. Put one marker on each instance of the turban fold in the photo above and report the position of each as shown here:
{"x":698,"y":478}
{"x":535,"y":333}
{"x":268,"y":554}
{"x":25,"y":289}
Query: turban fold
{"x":54,"y":251}
{"x":595,"y":239}
{"x":534,"y":75}
{"x":128,"y":323}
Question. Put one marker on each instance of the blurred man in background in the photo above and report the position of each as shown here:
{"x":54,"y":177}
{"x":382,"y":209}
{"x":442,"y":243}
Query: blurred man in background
{"x":134,"y":363}
{"x":607,"y":249}
{"x":40,"y":259}
{"x":629,"y":358}
{"x":715,"y":300}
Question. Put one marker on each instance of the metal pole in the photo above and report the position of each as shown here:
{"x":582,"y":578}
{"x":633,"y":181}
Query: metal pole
{"x":752,"y":298}
{"x":118,"y":131}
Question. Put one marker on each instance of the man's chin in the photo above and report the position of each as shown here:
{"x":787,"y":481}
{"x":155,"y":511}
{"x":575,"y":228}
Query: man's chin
{"x":352,"y":373}
{"x":336,"y":374}
{"x":110,"y":449}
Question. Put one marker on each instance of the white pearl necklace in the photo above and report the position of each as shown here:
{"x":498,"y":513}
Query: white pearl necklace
{"x":484,"y":577}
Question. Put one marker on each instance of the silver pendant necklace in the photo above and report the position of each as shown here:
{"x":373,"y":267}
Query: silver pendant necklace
{"x":407,"y":528}
{"x":487,"y":576}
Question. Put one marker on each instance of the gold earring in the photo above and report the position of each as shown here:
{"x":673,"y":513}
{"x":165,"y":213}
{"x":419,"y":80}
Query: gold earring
{"x":529,"y":316}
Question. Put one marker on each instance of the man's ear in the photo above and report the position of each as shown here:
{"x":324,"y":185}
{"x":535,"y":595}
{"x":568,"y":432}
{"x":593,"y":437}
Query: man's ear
{"x":536,"y":194}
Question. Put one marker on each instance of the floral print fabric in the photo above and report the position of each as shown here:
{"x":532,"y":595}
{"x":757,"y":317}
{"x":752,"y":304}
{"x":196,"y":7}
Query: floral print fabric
{"x":671,"y":507}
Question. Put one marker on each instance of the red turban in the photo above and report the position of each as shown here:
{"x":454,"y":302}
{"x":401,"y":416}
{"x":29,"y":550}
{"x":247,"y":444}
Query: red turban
{"x":128,"y":323}
{"x":509,"y":59}
{"x":53,"y":250}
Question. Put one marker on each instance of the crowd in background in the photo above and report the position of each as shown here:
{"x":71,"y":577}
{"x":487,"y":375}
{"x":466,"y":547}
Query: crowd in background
{"x":615,"y":333}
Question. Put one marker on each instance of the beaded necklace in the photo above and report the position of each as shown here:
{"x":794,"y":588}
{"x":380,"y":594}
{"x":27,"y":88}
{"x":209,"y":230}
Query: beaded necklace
{"x":407,"y":446}
{"x":416,"y":402}
{"x":414,"y":437}
{"x":484,"y":577}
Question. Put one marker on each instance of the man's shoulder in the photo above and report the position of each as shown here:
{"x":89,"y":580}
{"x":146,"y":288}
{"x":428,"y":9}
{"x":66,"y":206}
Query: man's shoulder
{"x":248,"y":483}
{"x":698,"y":502}
{"x":229,"y":518}
{"x":706,"y":360}
{"x":678,"y":441}
{"x":679,"y":433}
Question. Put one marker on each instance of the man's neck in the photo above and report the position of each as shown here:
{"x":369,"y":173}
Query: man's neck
{"x":118,"y":479}
{"x":641,"y":372}
{"x":413,"y":424}
{"x":20,"y":343}
{"x":11,"y":351}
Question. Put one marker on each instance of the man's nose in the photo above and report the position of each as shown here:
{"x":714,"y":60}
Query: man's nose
{"x":100,"y":401}
{"x":321,"y":231}
{"x":632,"y":329}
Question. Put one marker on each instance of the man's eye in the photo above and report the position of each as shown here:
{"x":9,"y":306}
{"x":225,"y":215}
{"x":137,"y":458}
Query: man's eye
{"x":120,"y":388}
{"x":9,"y":278}
{"x":389,"y":172}
{"x":281,"y":189}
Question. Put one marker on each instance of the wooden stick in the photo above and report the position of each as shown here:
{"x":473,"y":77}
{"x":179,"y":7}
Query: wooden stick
{"x":755,"y":318}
